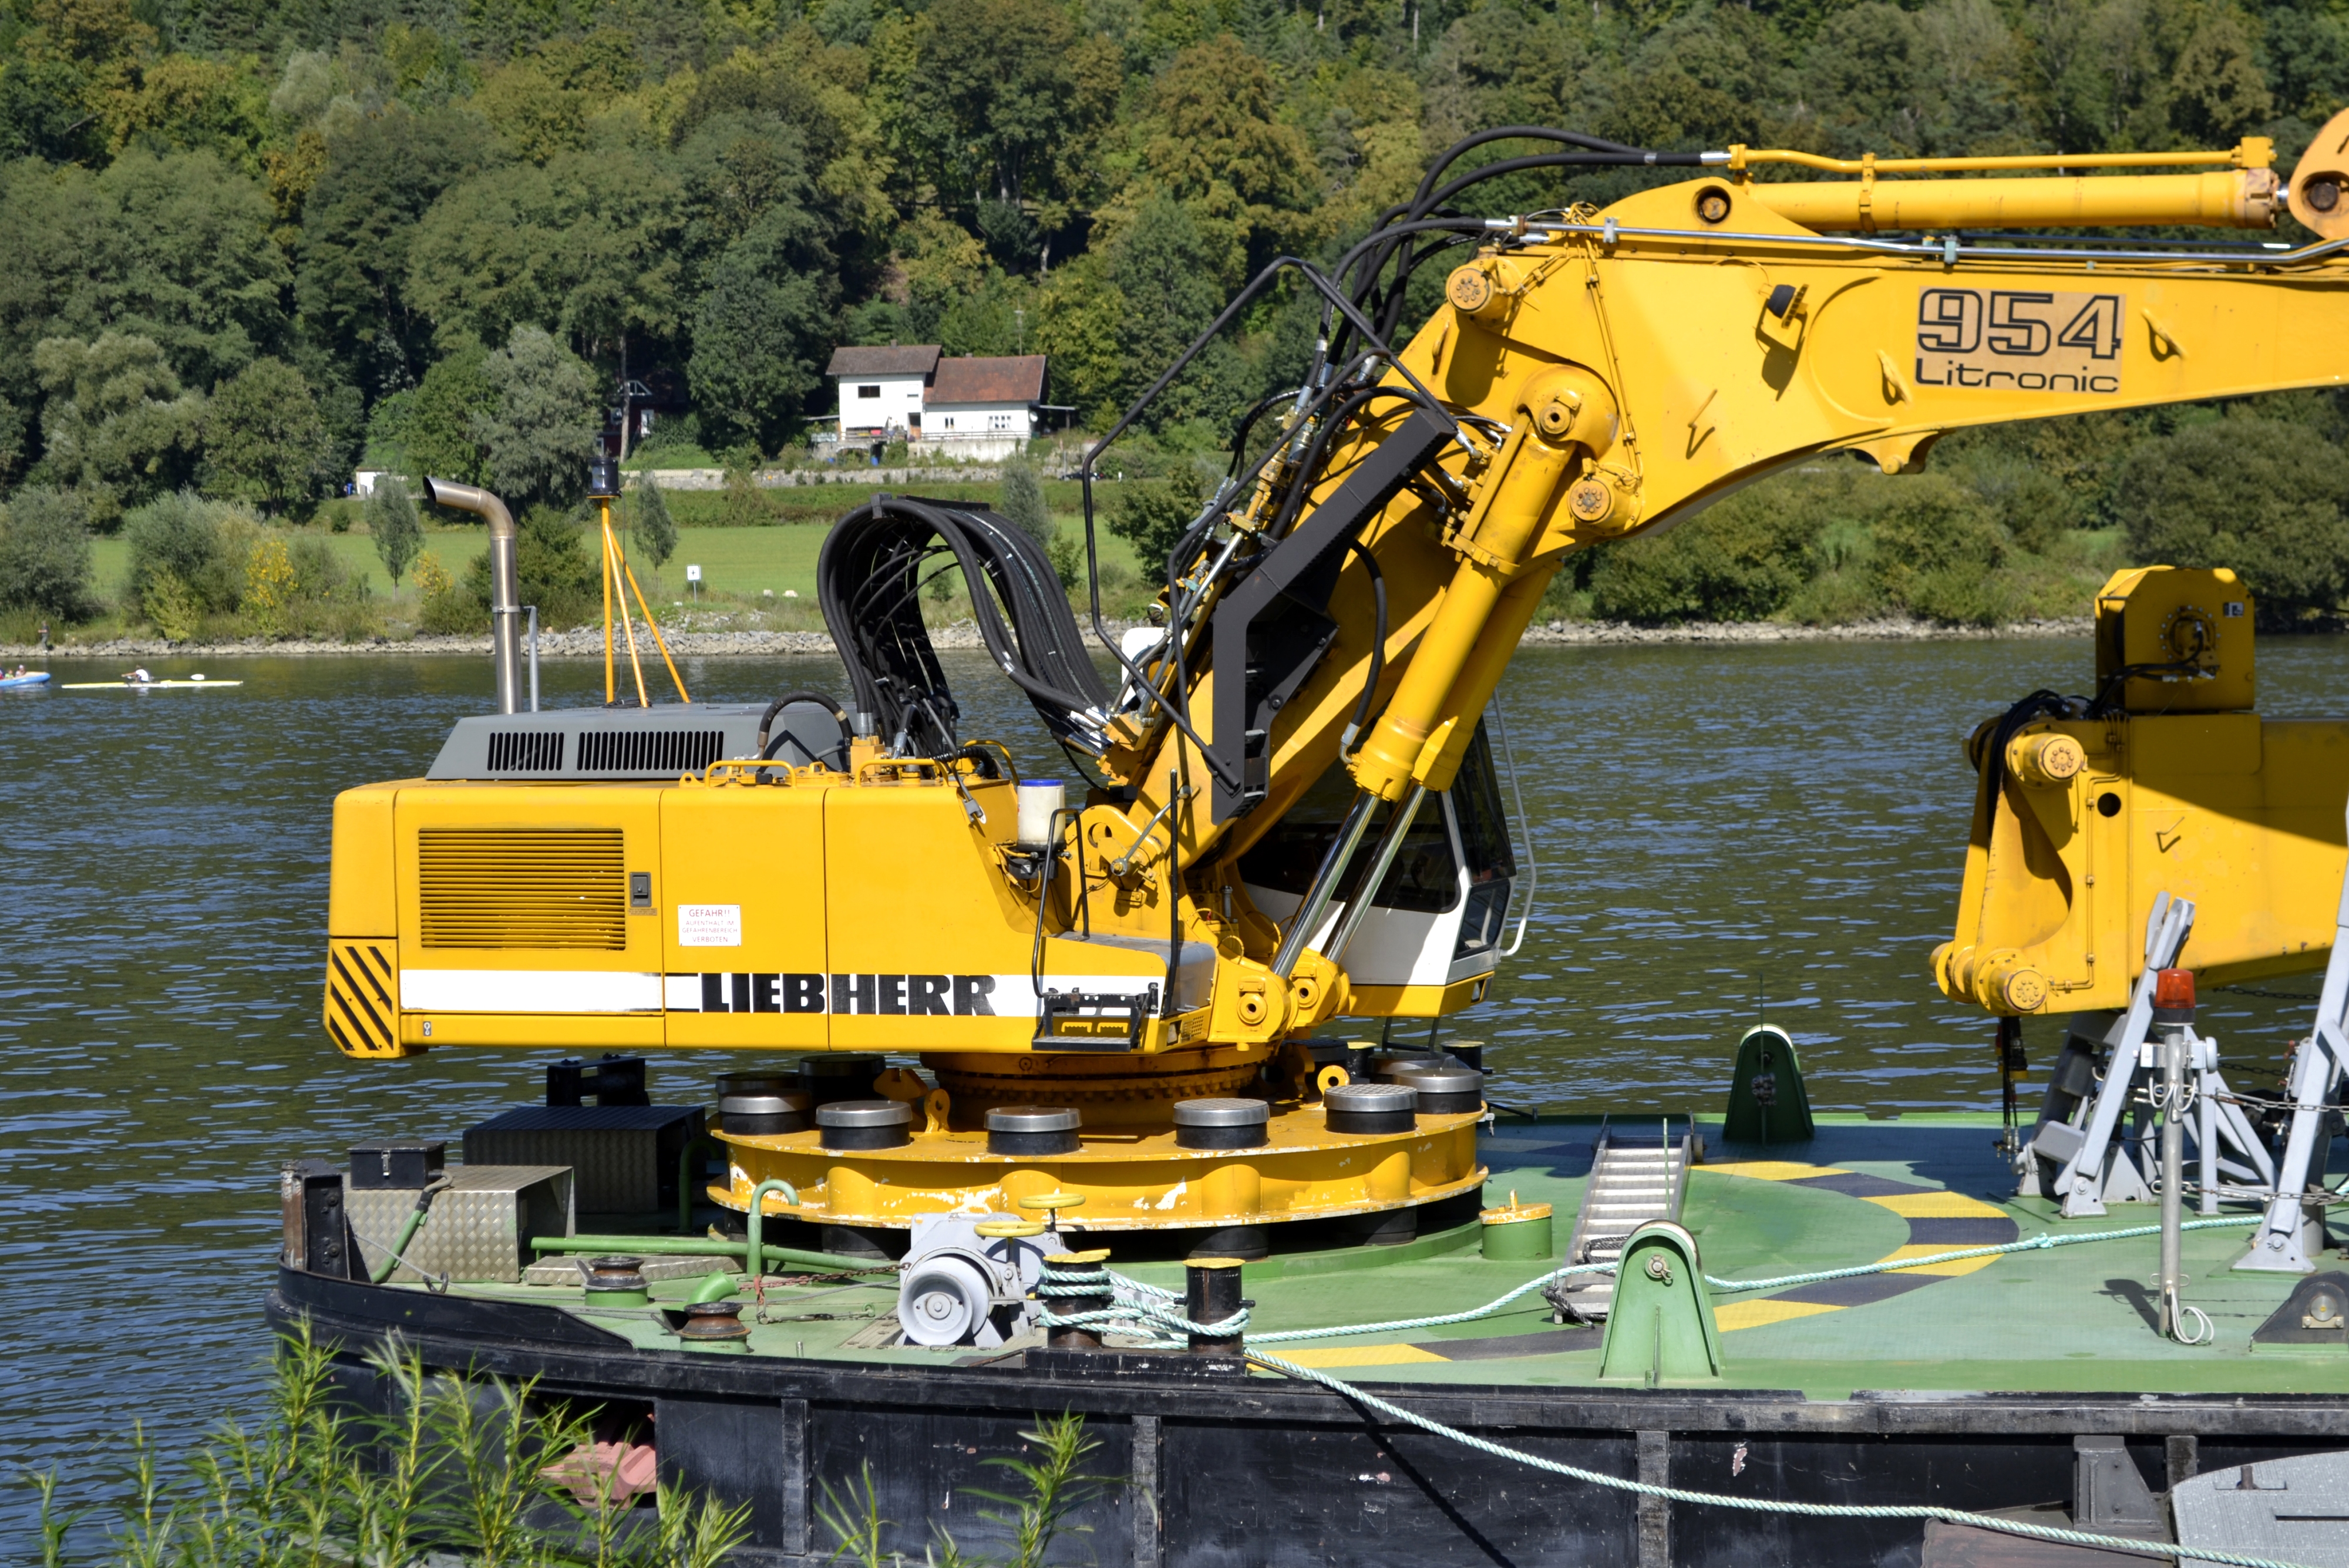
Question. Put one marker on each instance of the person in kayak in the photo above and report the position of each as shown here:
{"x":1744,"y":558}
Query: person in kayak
{"x":137,"y":677}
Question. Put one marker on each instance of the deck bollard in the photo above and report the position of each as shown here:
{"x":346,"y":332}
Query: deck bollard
{"x":1211,"y":1293}
{"x":1070,"y":1337}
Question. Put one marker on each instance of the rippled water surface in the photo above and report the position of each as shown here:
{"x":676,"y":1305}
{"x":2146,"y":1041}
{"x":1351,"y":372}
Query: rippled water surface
{"x":1709,"y":822}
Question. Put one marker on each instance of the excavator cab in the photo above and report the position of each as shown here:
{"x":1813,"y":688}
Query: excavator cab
{"x":1432,"y":938}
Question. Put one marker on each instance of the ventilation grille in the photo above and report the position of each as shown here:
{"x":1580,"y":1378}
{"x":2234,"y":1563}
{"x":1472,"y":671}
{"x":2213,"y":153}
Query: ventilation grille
{"x":360,"y":1013}
{"x":523,"y":888}
{"x":526,"y":752}
{"x":648,"y":751}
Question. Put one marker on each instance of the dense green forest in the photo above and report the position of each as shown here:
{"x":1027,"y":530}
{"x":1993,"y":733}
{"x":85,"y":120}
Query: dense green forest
{"x":250,"y":245}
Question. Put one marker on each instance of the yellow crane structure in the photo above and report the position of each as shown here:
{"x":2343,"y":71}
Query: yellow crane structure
{"x":1285,"y":810}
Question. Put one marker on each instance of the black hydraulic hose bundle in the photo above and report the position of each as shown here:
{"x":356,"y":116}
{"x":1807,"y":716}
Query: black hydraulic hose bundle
{"x":869,"y":578}
{"x":1362,"y":300}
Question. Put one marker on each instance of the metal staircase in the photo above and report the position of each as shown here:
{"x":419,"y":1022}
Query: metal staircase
{"x":1633,"y":1179}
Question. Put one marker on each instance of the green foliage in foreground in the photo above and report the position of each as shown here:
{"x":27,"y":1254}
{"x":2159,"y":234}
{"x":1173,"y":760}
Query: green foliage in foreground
{"x":462,"y":1467}
{"x":1056,"y":1486}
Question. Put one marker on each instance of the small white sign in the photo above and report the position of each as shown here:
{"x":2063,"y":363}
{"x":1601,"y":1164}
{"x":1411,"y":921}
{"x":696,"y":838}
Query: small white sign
{"x":710,"y":925}
{"x":693,"y":574}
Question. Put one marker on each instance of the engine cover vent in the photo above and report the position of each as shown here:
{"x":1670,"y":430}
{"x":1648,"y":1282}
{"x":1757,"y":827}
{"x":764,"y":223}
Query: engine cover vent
{"x":649,"y":751}
{"x":523,"y":888}
{"x":652,"y":744}
{"x":520,"y":752}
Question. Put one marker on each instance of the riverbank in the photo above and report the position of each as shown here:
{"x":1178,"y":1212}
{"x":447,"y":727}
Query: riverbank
{"x":587,"y":642}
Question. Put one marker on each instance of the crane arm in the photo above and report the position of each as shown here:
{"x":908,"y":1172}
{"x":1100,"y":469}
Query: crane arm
{"x":1594,"y":374}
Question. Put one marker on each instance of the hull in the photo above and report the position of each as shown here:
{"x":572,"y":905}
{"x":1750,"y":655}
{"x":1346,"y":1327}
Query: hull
{"x":2038,"y":1357}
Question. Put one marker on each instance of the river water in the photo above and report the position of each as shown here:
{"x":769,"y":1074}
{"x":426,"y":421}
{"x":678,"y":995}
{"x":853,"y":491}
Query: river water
{"x":1717,"y":828}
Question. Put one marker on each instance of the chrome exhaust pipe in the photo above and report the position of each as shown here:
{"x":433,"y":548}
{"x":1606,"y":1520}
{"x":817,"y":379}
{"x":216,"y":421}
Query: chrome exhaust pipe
{"x":505,"y":591}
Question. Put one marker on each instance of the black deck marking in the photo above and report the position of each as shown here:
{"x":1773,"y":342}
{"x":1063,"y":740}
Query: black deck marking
{"x":1503,"y":1348}
{"x":1955,"y":1232}
{"x":1863,"y":1291}
{"x":1852,"y":1184}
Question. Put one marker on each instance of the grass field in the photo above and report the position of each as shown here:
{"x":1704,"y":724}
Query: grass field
{"x":734,"y":562}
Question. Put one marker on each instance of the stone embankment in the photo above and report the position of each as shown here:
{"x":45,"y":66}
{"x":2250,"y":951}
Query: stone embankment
{"x":587,"y":642}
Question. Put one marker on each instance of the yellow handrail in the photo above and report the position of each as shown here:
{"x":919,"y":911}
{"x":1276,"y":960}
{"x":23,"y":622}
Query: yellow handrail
{"x":2252,"y":152}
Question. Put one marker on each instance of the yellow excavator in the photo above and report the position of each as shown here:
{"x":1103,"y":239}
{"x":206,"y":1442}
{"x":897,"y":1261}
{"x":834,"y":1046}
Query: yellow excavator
{"x":1281,"y":806}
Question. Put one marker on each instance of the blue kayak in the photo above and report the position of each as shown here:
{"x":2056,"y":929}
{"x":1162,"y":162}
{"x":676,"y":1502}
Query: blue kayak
{"x":39,"y":678}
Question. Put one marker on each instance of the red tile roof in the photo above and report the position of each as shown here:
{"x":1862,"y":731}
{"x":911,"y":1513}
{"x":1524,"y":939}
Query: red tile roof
{"x":916,"y":360}
{"x":1014,"y":379}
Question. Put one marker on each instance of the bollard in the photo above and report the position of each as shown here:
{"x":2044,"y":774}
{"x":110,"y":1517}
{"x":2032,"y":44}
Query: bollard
{"x":1073,"y":1339}
{"x":1211,"y":1293}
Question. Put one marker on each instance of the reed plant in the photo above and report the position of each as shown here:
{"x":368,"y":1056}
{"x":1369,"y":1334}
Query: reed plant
{"x":469,"y":1469}
{"x":1056,"y":1487}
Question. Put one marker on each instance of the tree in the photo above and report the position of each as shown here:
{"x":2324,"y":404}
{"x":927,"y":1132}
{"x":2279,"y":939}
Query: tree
{"x":439,"y":429}
{"x":995,"y":94}
{"x":175,"y":249}
{"x":392,"y":522}
{"x":1022,"y":501}
{"x":180,"y":542}
{"x":382,"y":174}
{"x":264,"y":437}
{"x":544,"y":424}
{"x":45,"y":553}
{"x":2207,"y":496}
{"x":117,"y":426}
{"x":655,"y":529}
{"x":553,"y":566}
{"x":1219,"y":148}
{"x":588,"y":245}
{"x":762,"y":323}
{"x":1152,"y":514}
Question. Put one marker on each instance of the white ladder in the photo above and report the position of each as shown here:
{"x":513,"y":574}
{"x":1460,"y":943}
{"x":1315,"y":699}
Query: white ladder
{"x":1632,"y":1181}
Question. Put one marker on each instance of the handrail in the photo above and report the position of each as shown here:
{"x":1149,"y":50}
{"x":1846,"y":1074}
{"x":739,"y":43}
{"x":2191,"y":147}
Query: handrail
{"x":2252,"y":152}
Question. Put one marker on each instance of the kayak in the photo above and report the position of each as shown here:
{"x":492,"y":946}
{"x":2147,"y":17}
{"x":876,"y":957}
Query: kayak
{"x":139,"y":685}
{"x":21,"y":682}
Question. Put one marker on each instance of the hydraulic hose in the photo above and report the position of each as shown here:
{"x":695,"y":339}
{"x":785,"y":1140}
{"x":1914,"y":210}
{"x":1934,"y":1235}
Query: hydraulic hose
{"x":392,"y":1258}
{"x":767,"y":722}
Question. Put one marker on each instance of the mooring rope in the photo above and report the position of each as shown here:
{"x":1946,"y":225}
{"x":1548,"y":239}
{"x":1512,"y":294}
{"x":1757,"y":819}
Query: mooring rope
{"x":1154,"y":1312}
{"x":1762,"y":1505}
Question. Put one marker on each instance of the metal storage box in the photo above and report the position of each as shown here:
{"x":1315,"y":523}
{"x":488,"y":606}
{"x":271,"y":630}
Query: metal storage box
{"x":479,"y":1227}
{"x":624,"y":1157}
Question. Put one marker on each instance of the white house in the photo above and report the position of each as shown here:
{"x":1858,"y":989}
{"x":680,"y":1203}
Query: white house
{"x":983,"y":408}
{"x":881,"y":392}
{"x":977,"y":408}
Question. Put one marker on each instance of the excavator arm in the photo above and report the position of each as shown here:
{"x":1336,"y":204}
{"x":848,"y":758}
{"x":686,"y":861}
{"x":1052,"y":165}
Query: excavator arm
{"x":1353,"y":600}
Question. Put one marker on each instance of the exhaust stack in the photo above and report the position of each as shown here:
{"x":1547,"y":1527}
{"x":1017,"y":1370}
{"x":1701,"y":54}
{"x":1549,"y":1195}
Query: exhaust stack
{"x":506,"y":612}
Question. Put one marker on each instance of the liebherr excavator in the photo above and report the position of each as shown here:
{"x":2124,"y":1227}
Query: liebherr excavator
{"x":1286,"y":810}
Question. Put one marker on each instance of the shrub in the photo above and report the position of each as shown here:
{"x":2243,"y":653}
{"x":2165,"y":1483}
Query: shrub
{"x":654,"y":528}
{"x":1742,"y":559}
{"x":199,"y":542}
{"x":1936,"y":545}
{"x":1152,"y":515}
{"x":2251,"y":494}
{"x":460,"y":1463}
{"x":444,"y":609}
{"x":554,"y":567}
{"x":45,"y":554}
{"x":1022,"y":501}
{"x":391,"y":519}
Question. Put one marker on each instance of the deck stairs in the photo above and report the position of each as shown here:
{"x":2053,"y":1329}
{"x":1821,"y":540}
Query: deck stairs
{"x":1634,"y":1179}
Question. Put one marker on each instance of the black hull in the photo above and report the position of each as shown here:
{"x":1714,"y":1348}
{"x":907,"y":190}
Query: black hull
{"x":1224,"y":1470}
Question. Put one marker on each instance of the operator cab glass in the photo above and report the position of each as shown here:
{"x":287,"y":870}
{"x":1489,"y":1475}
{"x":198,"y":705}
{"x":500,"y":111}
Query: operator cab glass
{"x":1438,"y":913}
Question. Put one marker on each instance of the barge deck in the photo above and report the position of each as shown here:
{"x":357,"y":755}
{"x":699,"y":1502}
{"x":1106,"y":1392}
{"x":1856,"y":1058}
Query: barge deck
{"x":1985,"y":1384}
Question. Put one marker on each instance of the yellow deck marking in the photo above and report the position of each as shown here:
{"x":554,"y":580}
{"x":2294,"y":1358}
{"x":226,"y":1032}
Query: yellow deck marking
{"x":1360,"y":1355}
{"x":1938,"y":1206}
{"x":1735,"y":1315}
{"x":1773,"y":1169}
{"x":1916,"y":1250}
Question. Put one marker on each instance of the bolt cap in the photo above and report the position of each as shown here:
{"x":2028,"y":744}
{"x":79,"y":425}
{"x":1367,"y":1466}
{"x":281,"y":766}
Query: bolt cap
{"x":864,"y":1114}
{"x":1032,"y":1119}
{"x":1233,"y":1113}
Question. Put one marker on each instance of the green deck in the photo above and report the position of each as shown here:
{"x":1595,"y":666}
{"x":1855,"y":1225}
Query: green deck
{"x":2070,"y":1319}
